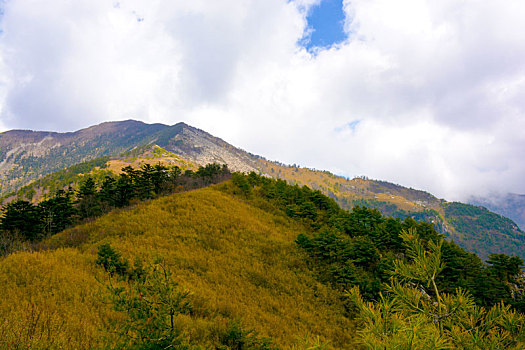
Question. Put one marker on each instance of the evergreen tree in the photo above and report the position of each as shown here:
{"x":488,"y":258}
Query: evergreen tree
{"x":144,"y":182}
{"x":87,"y":188}
{"x":506,"y":268}
{"x":159,"y":178}
{"x":242,"y":184}
{"x":151,"y":304}
{"x":125,"y":190}
{"x":416,"y":314}
{"x":88,"y":205}
{"x":108,"y":193}
{"x":24,"y":218}
{"x":57,"y":213}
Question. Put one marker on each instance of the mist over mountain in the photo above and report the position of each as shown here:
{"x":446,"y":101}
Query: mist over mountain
{"x":511,"y":205}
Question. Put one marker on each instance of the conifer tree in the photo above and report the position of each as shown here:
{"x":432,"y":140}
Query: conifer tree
{"x":22,"y":217}
{"x":57,"y":213}
{"x":87,"y":204}
{"x":416,"y":314}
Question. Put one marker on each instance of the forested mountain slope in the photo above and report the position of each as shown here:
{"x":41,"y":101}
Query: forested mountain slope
{"x":472,"y":227}
{"x":511,"y":205}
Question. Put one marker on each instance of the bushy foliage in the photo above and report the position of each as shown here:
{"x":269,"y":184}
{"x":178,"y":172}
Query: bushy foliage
{"x":150,"y":304}
{"x":236,"y":337}
{"x":414,"y":313}
{"x":112,"y":261}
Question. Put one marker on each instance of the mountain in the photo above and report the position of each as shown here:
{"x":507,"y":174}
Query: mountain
{"x":510,"y":205}
{"x":472,"y":227}
{"x":26,"y":156}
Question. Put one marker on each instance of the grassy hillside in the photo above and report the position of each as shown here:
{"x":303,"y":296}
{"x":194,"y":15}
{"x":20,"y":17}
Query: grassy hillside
{"x":256,"y":263}
{"x":238,"y":261}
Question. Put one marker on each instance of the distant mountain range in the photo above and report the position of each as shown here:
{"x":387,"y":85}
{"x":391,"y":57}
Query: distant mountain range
{"x":28,"y":156}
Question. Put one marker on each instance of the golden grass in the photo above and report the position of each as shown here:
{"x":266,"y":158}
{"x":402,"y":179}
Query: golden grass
{"x":326,"y":182}
{"x":51,"y":300}
{"x":237,"y":260}
{"x":153,"y":156}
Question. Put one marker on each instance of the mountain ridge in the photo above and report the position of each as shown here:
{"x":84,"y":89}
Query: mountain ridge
{"x":26,"y":155}
{"x":20,"y":166}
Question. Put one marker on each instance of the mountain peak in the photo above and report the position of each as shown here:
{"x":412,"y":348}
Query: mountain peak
{"x":28,"y":155}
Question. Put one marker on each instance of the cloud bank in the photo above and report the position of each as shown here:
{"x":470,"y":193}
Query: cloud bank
{"x":428,"y":94}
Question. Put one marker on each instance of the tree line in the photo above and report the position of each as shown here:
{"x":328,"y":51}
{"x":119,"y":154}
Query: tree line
{"x":24,"y":221}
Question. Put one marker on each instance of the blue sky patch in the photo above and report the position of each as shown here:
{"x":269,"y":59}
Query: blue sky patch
{"x":325,"y":24}
{"x":348,"y":126}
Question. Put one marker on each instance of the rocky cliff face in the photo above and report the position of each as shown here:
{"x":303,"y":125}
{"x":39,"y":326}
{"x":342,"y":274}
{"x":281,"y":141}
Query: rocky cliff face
{"x":202,"y":148}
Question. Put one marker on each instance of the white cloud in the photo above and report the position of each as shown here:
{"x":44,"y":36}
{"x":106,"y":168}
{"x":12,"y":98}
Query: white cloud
{"x":438,"y":87}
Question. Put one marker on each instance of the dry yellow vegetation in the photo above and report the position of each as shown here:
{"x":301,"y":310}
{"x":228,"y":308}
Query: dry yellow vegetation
{"x":152,"y":156}
{"x":51,"y":300}
{"x":343,"y":189}
{"x":238,"y":261}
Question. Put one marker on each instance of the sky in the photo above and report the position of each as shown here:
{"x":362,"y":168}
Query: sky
{"x":426,"y":94}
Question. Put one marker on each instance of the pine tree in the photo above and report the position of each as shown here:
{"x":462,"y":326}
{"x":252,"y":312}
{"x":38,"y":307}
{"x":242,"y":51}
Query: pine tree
{"x":57,"y":213}
{"x":24,"y":218}
{"x":416,"y":314}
